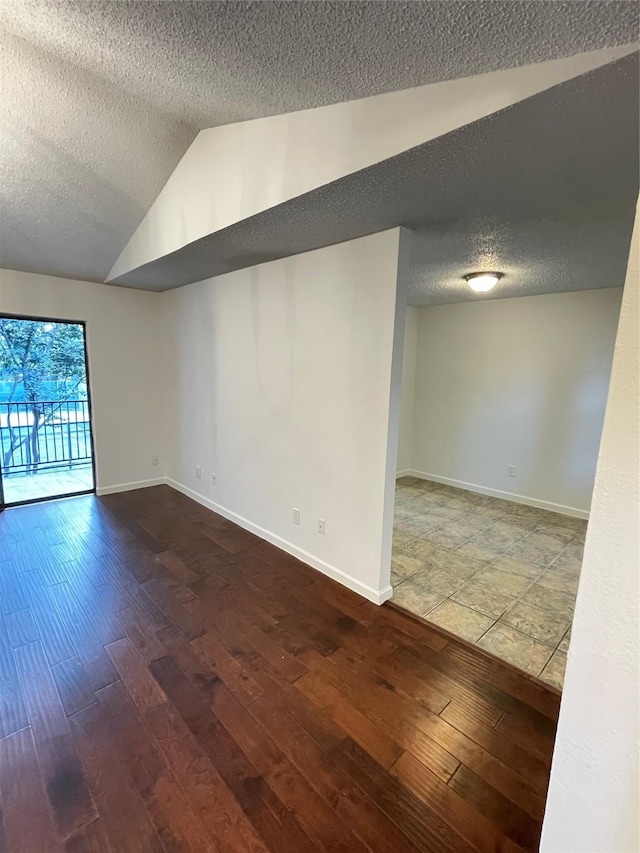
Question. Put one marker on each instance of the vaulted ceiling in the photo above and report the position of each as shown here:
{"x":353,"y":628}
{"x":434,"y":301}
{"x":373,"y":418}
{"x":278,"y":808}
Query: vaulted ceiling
{"x":100,"y":100}
{"x":543,"y":191}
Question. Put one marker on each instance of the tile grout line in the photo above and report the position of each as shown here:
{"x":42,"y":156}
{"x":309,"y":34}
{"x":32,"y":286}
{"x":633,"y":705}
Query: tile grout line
{"x":539,"y":528}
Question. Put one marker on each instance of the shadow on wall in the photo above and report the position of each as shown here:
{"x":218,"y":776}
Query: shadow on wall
{"x":515,"y":382}
{"x":572,"y":452}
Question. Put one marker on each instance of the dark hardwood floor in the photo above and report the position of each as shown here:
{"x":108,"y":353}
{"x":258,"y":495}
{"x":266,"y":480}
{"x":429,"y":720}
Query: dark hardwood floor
{"x":170,"y":682}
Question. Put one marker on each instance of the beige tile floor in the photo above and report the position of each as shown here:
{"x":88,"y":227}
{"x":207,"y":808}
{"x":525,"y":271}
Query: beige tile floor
{"x":502,"y":575}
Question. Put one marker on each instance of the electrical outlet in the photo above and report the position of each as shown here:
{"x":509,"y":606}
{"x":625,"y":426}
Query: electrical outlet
{"x":511,"y":470}
{"x":198,"y":472}
{"x":155,"y":460}
{"x":321,"y":526}
{"x":295,"y":514}
{"x":214,"y":479}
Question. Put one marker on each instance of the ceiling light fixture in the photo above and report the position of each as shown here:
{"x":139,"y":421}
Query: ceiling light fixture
{"x":482,"y":282}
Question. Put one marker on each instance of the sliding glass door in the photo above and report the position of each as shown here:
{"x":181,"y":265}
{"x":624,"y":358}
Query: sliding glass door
{"x":46,"y":439}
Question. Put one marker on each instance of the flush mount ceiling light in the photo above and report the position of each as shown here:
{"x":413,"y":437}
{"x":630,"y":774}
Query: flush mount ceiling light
{"x":482,"y":282}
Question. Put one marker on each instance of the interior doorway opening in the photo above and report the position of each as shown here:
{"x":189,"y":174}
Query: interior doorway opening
{"x":46,"y":437}
{"x":501,"y":414}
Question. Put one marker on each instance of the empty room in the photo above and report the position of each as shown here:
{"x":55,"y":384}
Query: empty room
{"x":319,"y":426}
{"x":506,"y":405}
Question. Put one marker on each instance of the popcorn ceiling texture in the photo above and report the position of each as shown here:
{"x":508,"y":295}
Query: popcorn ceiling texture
{"x":101,"y":99}
{"x":80,"y":164}
{"x":212,"y":63}
{"x":540,"y":191}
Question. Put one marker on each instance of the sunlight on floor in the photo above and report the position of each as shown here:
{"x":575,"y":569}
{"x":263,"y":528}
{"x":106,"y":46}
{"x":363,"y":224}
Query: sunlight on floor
{"x":48,"y":484}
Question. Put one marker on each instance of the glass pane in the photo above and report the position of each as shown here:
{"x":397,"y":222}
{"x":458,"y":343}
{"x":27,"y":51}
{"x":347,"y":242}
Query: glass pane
{"x":45,"y":428}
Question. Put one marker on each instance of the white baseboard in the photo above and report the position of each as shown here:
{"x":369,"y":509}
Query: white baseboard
{"x":572,"y":511}
{"x":374,"y":595}
{"x":130,"y":487}
{"x":405,"y":473}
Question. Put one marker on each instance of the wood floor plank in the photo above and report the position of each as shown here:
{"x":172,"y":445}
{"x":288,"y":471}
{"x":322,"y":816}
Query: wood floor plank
{"x":12,"y":597}
{"x":513,"y":821}
{"x":428,"y":685}
{"x":533,"y":731}
{"x":226,"y":667}
{"x":228,"y":826}
{"x":73,"y":685}
{"x":140,"y":630}
{"x":54,"y":636}
{"x":473,"y":742}
{"x":169,"y":597}
{"x":352,"y":806}
{"x":378,"y":743}
{"x":144,"y":689}
{"x":275,"y":654}
{"x":87,"y":645}
{"x":177,"y":825}
{"x":349,"y":634}
{"x":291,"y":787}
{"x":143,"y":567}
{"x":13,"y":714}
{"x":63,"y":775}
{"x":104,"y":618}
{"x":276,"y":824}
{"x":91,"y":839}
{"x":419,"y":822}
{"x":170,"y":682}
{"x":52,"y":571}
{"x":127,"y":822}
{"x":488,"y":675}
{"x":4,"y":844}
{"x":247,"y":642}
{"x":314,"y":719}
{"x":177,"y":567}
{"x":389,"y":712}
{"x":479,"y":830}
{"x":32,"y":828}
{"x":137,"y":594}
{"x":465,"y":714}
{"x":21,"y":628}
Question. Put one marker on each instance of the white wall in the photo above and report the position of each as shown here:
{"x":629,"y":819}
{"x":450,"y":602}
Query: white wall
{"x":124,"y":343}
{"x":280,"y":380}
{"x":593,"y":801}
{"x":232,"y":172}
{"x":515,"y":382}
{"x":408,"y":389}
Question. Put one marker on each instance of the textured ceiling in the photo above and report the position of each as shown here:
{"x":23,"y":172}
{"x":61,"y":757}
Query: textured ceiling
{"x":543,"y":191}
{"x":213,"y":63}
{"x":538,"y":256}
{"x":80,"y":165}
{"x":101,"y":99}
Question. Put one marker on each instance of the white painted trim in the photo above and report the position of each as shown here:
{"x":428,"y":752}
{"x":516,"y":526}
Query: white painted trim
{"x":130,"y":487}
{"x":406,"y":473}
{"x":374,"y":595}
{"x":572,"y":511}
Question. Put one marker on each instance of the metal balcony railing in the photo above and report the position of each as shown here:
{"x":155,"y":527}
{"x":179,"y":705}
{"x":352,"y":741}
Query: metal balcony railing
{"x":48,"y":435}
